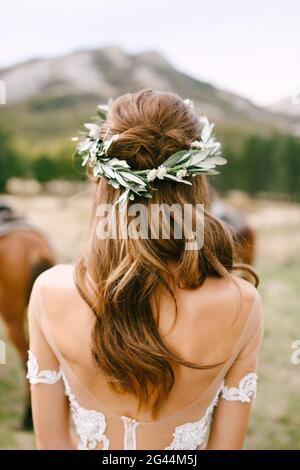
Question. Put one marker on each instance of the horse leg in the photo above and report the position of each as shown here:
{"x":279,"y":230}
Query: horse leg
{"x":17,"y":334}
{"x":23,"y":255}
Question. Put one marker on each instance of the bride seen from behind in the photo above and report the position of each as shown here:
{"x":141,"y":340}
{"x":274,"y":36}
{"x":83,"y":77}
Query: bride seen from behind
{"x":147,"y":344}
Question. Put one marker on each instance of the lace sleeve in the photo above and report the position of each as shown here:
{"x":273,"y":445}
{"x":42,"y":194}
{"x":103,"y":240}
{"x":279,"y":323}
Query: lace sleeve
{"x":35,"y":376}
{"x":245,"y":391}
{"x":240,"y":382}
{"x":42,"y":366}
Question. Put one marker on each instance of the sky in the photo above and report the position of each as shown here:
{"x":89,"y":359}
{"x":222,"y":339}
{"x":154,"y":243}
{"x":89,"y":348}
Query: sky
{"x":251,"y":48}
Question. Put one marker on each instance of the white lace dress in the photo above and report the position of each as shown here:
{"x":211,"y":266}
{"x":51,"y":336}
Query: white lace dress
{"x":90,"y":425}
{"x":98,"y":427}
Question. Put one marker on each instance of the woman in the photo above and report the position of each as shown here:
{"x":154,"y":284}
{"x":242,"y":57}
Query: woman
{"x":150,"y":344}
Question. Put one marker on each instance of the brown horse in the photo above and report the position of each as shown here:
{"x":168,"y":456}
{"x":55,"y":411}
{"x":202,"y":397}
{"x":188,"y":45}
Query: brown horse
{"x":24,"y":254}
{"x":244,"y":236}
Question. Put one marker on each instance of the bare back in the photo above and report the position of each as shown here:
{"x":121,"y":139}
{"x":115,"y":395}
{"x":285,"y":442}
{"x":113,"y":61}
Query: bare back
{"x":218,"y":323}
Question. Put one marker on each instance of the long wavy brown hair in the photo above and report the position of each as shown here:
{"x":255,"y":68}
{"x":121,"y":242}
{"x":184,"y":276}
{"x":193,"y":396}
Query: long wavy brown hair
{"x":119,"y":278}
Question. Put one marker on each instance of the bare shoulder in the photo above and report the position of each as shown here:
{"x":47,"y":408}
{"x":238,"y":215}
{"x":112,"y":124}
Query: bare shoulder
{"x":58,"y":290}
{"x":247,"y":290}
{"x":68,"y":317}
{"x":249,"y":295}
{"x":60,"y":275}
{"x":211,"y":317}
{"x":221,"y":299}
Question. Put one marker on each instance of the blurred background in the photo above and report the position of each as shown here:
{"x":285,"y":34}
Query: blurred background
{"x":239,"y":63}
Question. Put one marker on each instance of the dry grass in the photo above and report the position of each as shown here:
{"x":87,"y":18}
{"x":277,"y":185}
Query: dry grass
{"x":275,"y":423}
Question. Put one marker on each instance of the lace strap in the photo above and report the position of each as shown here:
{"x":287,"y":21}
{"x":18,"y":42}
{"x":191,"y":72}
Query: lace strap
{"x":245,"y":392}
{"x":35,"y":376}
{"x":130,"y":426}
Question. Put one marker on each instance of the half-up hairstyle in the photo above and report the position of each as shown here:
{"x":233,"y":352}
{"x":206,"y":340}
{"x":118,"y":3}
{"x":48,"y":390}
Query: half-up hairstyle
{"x":119,"y":278}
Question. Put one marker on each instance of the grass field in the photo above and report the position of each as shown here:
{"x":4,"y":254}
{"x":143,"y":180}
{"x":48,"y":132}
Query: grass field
{"x":275,"y":422}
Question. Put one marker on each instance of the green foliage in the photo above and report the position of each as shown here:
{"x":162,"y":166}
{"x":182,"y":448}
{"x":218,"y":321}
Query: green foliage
{"x":263,"y":165}
{"x":11,"y":163}
{"x":46,"y":167}
{"x":258,"y":164}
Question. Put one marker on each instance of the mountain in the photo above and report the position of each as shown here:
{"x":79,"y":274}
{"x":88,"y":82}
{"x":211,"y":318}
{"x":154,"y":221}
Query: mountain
{"x":289,"y":107}
{"x":49,"y":98}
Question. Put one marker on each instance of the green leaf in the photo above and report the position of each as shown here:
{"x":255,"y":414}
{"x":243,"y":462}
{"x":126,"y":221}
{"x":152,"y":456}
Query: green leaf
{"x":114,"y":184}
{"x":122,"y":199}
{"x":107,"y":169}
{"x":217,"y":160}
{"x":198,"y":157}
{"x":115,"y":162}
{"x":203,"y":171}
{"x":131,"y":177}
{"x":206,"y":165}
{"x":121,"y":180}
{"x":101,"y":113}
{"x":168,"y":176}
{"x":178,"y":157}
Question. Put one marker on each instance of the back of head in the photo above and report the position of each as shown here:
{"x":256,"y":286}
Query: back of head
{"x":151,"y":126}
{"x":119,"y":277}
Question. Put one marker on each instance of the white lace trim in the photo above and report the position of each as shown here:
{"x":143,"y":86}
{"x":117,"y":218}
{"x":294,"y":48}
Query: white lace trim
{"x":245,"y":392}
{"x":191,"y":436}
{"x":91,"y":425}
{"x":35,"y":376}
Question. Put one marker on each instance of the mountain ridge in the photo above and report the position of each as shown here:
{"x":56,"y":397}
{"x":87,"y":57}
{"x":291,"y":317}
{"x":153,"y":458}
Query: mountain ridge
{"x":50,"y":97}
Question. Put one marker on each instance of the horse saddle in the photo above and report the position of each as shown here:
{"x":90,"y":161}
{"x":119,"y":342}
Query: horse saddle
{"x":11,"y":221}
